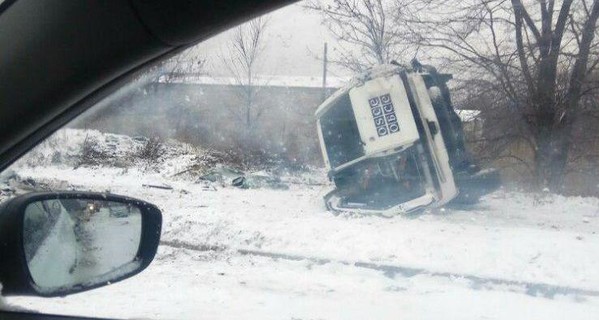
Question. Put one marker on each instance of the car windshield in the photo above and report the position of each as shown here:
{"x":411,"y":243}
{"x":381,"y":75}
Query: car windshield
{"x":455,"y":176}
{"x":339,"y":130}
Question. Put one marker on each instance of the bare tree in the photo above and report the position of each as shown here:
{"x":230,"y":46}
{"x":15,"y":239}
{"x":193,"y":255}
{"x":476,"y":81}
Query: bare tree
{"x":188,"y":63}
{"x":366,"y":31}
{"x":539,"y":55}
{"x":241,"y":60}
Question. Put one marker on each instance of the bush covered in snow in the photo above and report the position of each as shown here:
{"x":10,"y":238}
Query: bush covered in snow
{"x":77,"y":148}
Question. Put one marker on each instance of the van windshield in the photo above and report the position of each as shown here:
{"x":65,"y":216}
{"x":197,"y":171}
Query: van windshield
{"x":340,"y":133}
{"x":383,"y":182}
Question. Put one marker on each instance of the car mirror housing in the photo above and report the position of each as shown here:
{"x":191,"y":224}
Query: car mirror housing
{"x":60,"y":243}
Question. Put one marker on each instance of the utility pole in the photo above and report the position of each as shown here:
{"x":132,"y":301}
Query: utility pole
{"x":324,"y":73}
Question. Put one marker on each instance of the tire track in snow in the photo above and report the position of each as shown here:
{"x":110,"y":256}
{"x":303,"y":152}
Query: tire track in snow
{"x":534,"y":289}
{"x":194,"y":247}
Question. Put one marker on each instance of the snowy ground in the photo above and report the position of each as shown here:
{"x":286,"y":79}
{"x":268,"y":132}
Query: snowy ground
{"x":272,"y":254}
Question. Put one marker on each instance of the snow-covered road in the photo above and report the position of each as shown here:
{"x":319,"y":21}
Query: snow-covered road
{"x":183,"y":284}
{"x":271,"y":254}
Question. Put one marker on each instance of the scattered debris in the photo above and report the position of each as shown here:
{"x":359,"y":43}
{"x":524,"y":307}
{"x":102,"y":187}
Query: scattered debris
{"x":259,"y":180}
{"x":164,"y":186}
{"x":238,"y":182}
{"x":208,"y":187}
{"x":227,"y":176}
{"x":221,"y":174}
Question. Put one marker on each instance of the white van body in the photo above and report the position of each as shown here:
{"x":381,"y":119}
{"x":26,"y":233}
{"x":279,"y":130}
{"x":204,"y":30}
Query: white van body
{"x":373,"y":121}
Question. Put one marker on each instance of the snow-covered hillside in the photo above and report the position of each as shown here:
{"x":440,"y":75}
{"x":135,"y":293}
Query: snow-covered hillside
{"x":267,"y":253}
{"x":66,"y":148}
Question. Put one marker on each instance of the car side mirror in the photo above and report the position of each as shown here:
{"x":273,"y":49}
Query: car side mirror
{"x":59,"y":243}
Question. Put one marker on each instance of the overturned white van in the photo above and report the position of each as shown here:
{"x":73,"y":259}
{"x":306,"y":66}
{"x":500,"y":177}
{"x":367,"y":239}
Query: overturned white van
{"x":393,"y":144}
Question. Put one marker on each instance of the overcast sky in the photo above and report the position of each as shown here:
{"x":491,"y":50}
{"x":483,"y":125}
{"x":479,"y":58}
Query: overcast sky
{"x":294,"y":40}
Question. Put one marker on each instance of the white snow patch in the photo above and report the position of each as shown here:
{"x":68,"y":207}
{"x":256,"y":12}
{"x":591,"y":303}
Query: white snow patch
{"x":468,"y":115}
{"x":509,"y":236}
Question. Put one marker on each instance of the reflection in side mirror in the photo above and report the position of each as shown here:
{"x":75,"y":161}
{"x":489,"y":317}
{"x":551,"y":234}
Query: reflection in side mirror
{"x":70,"y":242}
{"x":73,"y":241}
